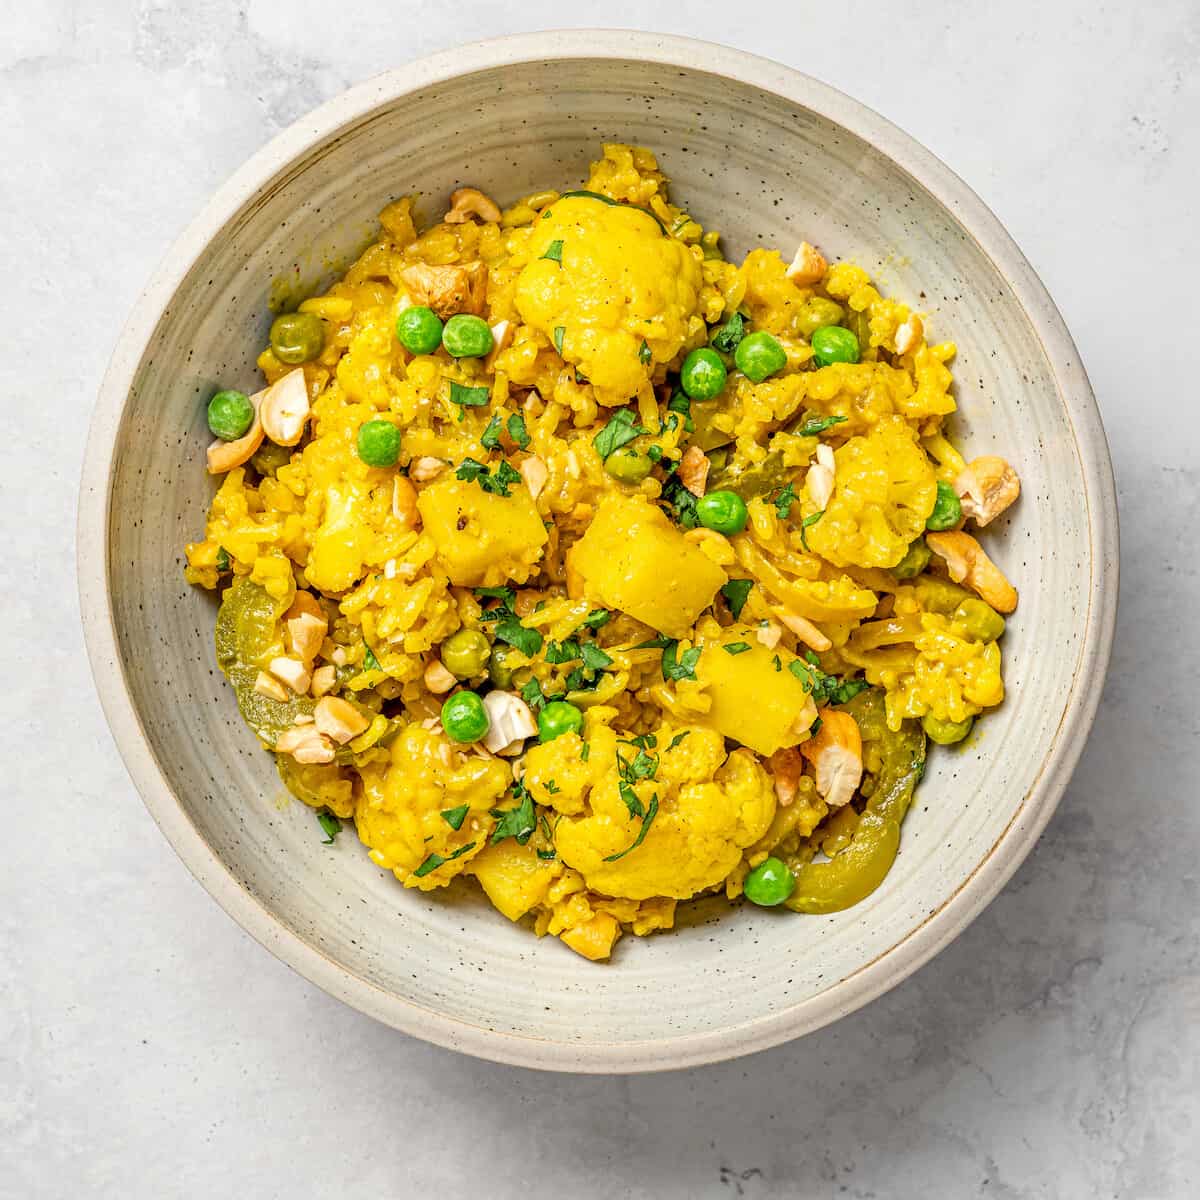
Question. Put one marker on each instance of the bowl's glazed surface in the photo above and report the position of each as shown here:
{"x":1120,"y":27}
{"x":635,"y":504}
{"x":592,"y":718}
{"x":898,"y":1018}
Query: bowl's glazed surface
{"x":768,"y":157}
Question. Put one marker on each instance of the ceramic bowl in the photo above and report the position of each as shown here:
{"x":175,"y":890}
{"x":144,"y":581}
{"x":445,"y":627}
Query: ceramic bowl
{"x":768,"y":157}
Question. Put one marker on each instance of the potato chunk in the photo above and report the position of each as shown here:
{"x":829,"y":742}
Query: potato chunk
{"x":633,"y":559}
{"x":756,"y":700}
{"x":482,"y":539}
{"x":513,"y":877}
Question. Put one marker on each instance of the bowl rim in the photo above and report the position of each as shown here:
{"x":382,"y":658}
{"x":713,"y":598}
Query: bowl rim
{"x":986,"y":878}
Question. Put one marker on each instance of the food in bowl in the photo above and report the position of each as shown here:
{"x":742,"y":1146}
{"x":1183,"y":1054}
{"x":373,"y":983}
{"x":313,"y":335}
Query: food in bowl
{"x":562,"y":553}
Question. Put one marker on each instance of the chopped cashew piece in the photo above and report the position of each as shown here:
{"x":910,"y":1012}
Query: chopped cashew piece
{"x":471,"y":202}
{"x":910,"y":334}
{"x":809,"y":266}
{"x":339,"y":720}
{"x":426,"y":468}
{"x":502,"y":336}
{"x":835,"y":750}
{"x":324,"y":680}
{"x":437,"y":679}
{"x":769,"y":635}
{"x":511,"y":722}
{"x":986,"y":487}
{"x":821,"y":475}
{"x":404,"y":503}
{"x":292,"y":672}
{"x":535,"y":473}
{"x":306,"y":626}
{"x":266,"y":685}
{"x":693,"y":470}
{"x":448,"y":289}
{"x":804,"y":629}
{"x":224,"y":456}
{"x":306,"y":744}
{"x":785,"y":768}
{"x":967,"y":563}
{"x":285,"y":409}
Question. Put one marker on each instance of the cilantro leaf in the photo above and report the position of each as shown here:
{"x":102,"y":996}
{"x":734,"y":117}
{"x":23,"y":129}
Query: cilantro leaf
{"x":468,"y":397}
{"x":470,"y":469}
{"x":678,"y":738}
{"x":519,"y":822}
{"x":517,"y":431}
{"x":501,"y":479}
{"x":436,"y":860}
{"x":586,"y":752}
{"x":806,"y":524}
{"x":562,"y":652}
{"x":682,"y":667}
{"x":784,"y":501}
{"x":370,"y":662}
{"x":735,"y":592}
{"x":736,"y":647}
{"x":554,"y":251}
{"x":645,"y":356}
{"x":454,"y":817}
{"x":490,"y":438}
{"x":597,"y":617}
{"x":533,"y":695}
{"x":224,"y":562}
{"x":812,"y":426}
{"x":594,"y":658}
{"x":511,"y":631}
{"x":560,"y":332}
{"x":726,"y":338}
{"x":654,"y":643}
{"x":681,"y":403}
{"x":621,"y":429}
{"x":647,"y":821}
{"x":680,"y":502}
{"x":504,"y":594}
{"x":329,"y":824}
{"x":632,"y":801}
{"x":825,"y":689}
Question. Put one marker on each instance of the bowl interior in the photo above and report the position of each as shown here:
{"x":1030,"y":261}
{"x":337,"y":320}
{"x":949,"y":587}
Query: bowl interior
{"x":766,"y":172}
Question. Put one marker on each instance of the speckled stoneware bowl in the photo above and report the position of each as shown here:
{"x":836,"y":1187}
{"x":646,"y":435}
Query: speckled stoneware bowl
{"x":768,"y":157}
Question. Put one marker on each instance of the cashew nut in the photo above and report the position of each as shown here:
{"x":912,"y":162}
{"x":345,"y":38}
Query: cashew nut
{"x":266,"y":685}
{"x":785,"y":768}
{"x":285,"y":409}
{"x":511,"y":722}
{"x":447,"y":289}
{"x":306,"y":626}
{"x":339,"y":720}
{"x":438,"y":679}
{"x":986,"y":486}
{"x":534,"y":472}
{"x":693,"y":470}
{"x":306,"y":744}
{"x":324,"y":680}
{"x":404,"y":503}
{"x":835,"y":750}
{"x":821,"y":476}
{"x":224,"y":456}
{"x":466,"y":203}
{"x":967,"y":563}
{"x":804,"y":629}
{"x":809,"y":266}
{"x":426,"y":468}
{"x":292,"y":672}
{"x":909,"y":334}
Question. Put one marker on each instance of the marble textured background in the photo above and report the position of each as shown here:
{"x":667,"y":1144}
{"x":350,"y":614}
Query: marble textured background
{"x":149,"y":1048}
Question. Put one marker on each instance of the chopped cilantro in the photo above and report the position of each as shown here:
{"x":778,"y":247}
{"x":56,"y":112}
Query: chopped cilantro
{"x":806,"y":524}
{"x":511,"y":631}
{"x":784,"y":501}
{"x":554,"y":251}
{"x":680,"y":502}
{"x":644,"y":354}
{"x":647,"y":821}
{"x":504,"y":594}
{"x":594,"y":658}
{"x":736,"y":647}
{"x":654,"y":454}
{"x":678,"y":738}
{"x":643,"y":741}
{"x":777,"y":663}
{"x":497,"y":482}
{"x":825,"y":689}
{"x":517,"y":431}
{"x":329,"y":824}
{"x":551,"y":787}
{"x":654,"y":643}
{"x":559,"y":333}
{"x":468,"y":397}
{"x":812,"y":426}
{"x":370,"y":662}
{"x":517,"y":822}
{"x":726,"y":338}
{"x":735,"y":592}
{"x":681,"y":403}
{"x":224,"y":562}
{"x":586,"y":752}
{"x":490,"y":438}
{"x":597,"y":617}
{"x":533,"y":695}
{"x":621,"y":429}
{"x":436,"y":860}
{"x":681,"y":667}
{"x":562,"y":652}
{"x":454,"y":817}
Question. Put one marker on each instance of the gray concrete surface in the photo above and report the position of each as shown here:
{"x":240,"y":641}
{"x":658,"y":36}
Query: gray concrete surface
{"x":149,"y":1049}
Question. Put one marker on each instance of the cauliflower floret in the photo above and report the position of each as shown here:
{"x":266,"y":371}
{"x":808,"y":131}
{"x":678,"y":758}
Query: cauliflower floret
{"x":884,"y":491}
{"x":400,"y":817}
{"x":699,"y":828}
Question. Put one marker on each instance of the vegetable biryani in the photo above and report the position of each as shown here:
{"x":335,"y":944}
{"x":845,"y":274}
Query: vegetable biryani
{"x":561,"y":552}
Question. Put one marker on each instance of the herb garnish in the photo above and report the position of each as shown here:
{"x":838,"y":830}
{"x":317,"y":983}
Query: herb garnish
{"x":533,"y":695}
{"x":497,"y":482}
{"x":726,"y":338}
{"x":683,"y":667}
{"x":680,"y":503}
{"x":554,"y":251}
{"x":370,"y":662}
{"x":510,"y":630}
{"x":735,"y":592}
{"x":597,"y":617}
{"x":681,"y":403}
{"x":560,"y":332}
{"x":825,"y":689}
{"x":621,"y":429}
{"x":490,"y":438}
{"x":645,"y":355}
{"x":223,"y":560}
{"x":562,"y":652}
{"x":784,"y":501}
{"x":468,"y":397}
{"x":807,"y":524}
{"x":647,"y":821}
{"x":436,"y":860}
{"x":454,"y":817}
{"x":517,"y":431}
{"x":678,"y":738}
{"x":736,"y":647}
{"x":329,"y":824}
{"x":593,"y":657}
{"x":586,"y":752}
{"x":517,"y":822}
{"x":813,"y":426}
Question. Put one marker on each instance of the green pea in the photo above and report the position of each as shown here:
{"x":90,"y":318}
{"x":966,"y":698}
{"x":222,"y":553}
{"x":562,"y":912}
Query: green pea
{"x":464,"y":718}
{"x":832,"y":343}
{"x":723,"y":511}
{"x":946,"y":733}
{"x":230,"y":414}
{"x":947,"y":509}
{"x":759,"y":355}
{"x":465,"y":653}
{"x":268,"y":458}
{"x":557,"y":718}
{"x":703,"y":374}
{"x":419,"y":329}
{"x":466,"y":336}
{"x":814,"y":313}
{"x":979,"y":620}
{"x":628,"y":465}
{"x":297,"y":337}
{"x":916,"y":559}
{"x":500,"y":670}
{"x":378,"y":443}
{"x":769,"y":884}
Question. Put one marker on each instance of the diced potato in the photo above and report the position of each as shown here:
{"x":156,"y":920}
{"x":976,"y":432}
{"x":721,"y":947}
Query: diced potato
{"x":483,"y":540}
{"x":756,"y":700}
{"x":594,"y":939}
{"x":513,"y":877}
{"x":633,"y":559}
